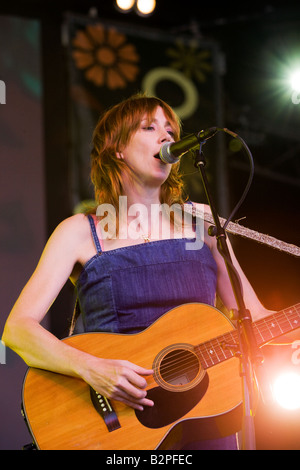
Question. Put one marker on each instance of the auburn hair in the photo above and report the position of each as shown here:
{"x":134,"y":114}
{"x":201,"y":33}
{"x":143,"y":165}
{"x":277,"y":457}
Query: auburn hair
{"x":112,"y":133}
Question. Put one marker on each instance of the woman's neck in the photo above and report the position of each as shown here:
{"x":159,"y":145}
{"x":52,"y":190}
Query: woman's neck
{"x":142,"y":195}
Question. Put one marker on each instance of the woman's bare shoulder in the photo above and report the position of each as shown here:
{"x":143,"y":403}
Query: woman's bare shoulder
{"x":76,"y":225}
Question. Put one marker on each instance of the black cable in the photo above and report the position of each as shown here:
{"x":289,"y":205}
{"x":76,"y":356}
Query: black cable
{"x":250,"y":178}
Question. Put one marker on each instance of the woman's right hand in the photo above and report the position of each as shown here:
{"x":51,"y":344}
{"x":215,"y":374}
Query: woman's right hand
{"x":119,"y":380}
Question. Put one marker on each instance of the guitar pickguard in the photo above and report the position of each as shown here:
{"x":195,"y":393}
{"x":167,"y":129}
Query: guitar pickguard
{"x":170,"y":406}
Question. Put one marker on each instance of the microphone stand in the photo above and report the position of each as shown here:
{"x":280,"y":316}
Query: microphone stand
{"x":248,"y":351}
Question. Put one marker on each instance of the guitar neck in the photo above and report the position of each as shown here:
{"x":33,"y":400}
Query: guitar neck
{"x":278,"y":324}
{"x":223,"y":347}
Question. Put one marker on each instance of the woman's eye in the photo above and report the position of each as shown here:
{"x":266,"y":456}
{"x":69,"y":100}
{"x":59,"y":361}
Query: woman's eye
{"x":152,"y":128}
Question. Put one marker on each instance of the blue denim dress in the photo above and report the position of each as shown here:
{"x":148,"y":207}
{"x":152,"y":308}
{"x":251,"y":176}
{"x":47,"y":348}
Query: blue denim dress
{"x":125,"y":290}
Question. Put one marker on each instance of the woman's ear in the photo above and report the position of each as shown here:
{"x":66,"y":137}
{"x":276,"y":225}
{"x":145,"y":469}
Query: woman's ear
{"x":119,"y":155}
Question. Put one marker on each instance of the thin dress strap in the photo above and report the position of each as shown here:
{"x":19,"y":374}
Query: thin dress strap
{"x":94,"y":234}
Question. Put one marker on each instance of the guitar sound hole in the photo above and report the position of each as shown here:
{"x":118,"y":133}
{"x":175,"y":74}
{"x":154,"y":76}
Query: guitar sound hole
{"x":179,"y":367}
{"x":176,"y":369}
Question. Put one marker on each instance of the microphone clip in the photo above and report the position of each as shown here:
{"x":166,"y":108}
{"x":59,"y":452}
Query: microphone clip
{"x":198,"y":155}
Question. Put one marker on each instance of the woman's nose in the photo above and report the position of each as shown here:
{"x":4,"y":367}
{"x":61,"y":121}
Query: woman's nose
{"x":166,"y":137}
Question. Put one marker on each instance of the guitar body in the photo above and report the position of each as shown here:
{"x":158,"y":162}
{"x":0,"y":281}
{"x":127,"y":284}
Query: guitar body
{"x":61,"y":415}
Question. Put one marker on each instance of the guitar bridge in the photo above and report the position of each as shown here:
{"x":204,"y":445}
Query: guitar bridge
{"x":104,"y":408}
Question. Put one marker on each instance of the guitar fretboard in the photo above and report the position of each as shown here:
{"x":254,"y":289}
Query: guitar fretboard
{"x":224,"y":347}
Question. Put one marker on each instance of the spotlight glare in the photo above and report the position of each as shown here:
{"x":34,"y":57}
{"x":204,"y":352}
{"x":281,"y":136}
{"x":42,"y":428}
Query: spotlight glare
{"x":145,"y":7}
{"x":295,"y":81}
{"x":286,"y":390}
{"x":125,"y":5}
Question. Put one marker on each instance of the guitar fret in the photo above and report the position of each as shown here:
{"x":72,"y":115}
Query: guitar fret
{"x":213,"y":353}
{"x":208,"y":355}
{"x":295,"y":319}
{"x":277,"y":324}
{"x":268,"y":330}
{"x":228,"y":344}
{"x":260,"y":333}
{"x":203,"y":360}
{"x":223,"y":347}
{"x":274,"y":327}
{"x":285,"y":324}
{"x":227,"y":347}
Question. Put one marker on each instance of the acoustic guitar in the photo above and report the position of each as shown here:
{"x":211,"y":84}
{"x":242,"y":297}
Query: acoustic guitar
{"x":196,"y":380}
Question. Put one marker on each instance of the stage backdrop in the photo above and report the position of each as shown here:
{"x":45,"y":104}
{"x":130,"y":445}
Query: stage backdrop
{"x":109,"y":62}
{"x":22,"y":199}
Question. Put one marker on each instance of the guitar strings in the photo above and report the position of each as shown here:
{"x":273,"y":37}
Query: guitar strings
{"x":211,"y":351}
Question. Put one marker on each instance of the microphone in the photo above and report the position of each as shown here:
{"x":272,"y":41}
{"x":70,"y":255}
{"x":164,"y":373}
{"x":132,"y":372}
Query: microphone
{"x":171,"y":152}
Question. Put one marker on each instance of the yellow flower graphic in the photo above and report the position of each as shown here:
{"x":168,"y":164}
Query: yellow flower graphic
{"x":106,"y":56}
{"x":190,"y":60}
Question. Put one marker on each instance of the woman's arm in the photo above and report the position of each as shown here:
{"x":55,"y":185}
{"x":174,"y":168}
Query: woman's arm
{"x":225,"y":290}
{"x":39,"y":348}
{"x":224,"y":287}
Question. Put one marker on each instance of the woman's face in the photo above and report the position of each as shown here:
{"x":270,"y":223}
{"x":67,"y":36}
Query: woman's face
{"x":144,"y":144}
